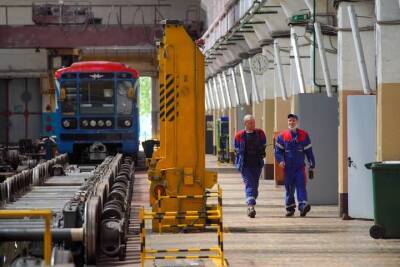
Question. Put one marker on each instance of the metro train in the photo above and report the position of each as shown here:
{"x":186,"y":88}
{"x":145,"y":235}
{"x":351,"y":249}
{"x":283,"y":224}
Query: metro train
{"x":96,"y":110}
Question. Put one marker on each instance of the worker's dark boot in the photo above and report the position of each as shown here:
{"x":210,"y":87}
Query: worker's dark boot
{"x":305,"y":210}
{"x":251,"y":212}
{"x":289,"y":213}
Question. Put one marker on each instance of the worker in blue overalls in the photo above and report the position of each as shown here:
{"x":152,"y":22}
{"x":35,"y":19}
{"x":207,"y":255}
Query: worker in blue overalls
{"x":291,"y":148}
{"x":250,"y":150}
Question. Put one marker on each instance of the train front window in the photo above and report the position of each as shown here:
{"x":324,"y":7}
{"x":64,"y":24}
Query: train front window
{"x":96,"y":97}
{"x":68,"y":97}
{"x":124,"y":99}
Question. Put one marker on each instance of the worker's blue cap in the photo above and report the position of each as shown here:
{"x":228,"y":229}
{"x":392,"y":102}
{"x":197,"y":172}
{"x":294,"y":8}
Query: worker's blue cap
{"x":292,"y":115}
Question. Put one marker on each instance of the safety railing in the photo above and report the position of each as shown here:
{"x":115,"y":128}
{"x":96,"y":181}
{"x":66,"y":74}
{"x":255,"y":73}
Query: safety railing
{"x":213,"y":214}
{"x":46,"y":214}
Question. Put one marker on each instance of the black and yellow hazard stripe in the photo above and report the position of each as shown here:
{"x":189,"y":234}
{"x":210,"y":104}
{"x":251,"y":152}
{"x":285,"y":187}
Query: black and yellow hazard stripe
{"x":190,"y":225}
{"x":188,"y":217}
{"x":220,"y":236}
{"x":193,"y":212}
{"x":163,"y":97}
{"x":170,"y":98}
{"x":189,"y":196}
{"x":182,"y":257}
{"x":176,"y":250}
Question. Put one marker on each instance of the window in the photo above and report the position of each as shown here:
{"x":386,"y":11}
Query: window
{"x":96,"y":97}
{"x":68,"y":97}
{"x":124,"y":102}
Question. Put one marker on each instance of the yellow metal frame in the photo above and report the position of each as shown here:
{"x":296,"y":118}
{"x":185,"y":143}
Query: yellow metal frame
{"x":46,"y":214}
{"x":215,"y":214}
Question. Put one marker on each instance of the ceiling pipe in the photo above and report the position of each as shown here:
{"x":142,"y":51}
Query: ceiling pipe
{"x":236,"y":91}
{"x":212,"y":81}
{"x":246,"y":97}
{"x":221,"y":89}
{"x":278,"y":64}
{"x":254,"y":87}
{"x":226,"y":89}
{"x":206,"y":96}
{"x":210,"y":96}
{"x":324,"y":61}
{"x":299,"y":70}
{"x":359,"y":50}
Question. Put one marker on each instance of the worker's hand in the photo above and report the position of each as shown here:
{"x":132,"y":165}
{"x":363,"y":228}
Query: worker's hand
{"x":282,"y":164}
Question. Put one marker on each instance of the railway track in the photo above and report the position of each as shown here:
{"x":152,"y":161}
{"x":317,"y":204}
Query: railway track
{"x":93,"y":222}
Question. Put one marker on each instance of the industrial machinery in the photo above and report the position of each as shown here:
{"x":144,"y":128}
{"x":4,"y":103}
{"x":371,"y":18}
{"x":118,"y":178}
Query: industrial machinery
{"x":223,"y":140}
{"x":177,"y":169}
{"x":97,"y":111}
{"x":87,"y":212}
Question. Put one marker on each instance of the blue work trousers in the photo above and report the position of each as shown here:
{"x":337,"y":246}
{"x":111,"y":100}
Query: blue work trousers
{"x":251,"y":177}
{"x":295,"y":181}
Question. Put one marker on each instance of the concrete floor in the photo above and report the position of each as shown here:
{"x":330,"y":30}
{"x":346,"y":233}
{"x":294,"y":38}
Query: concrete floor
{"x":271,"y":239}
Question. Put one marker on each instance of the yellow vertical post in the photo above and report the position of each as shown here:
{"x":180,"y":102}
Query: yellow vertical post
{"x":221,"y":226}
{"x":47,"y":238}
{"x":46,"y":215}
{"x":142,"y":240}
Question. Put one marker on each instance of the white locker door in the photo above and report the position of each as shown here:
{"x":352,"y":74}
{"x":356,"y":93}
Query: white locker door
{"x":361,"y":137}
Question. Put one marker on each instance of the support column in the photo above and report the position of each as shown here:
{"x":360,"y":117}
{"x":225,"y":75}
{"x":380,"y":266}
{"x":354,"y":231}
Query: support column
{"x":155,"y":108}
{"x":232,"y":131}
{"x":269,"y":112}
{"x":257,"y":111}
{"x":215,"y":129}
{"x":388,"y":65}
{"x":349,"y":81}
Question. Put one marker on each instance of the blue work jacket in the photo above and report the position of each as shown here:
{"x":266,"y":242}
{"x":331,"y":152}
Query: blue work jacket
{"x":240,"y":147}
{"x":292,"y":148}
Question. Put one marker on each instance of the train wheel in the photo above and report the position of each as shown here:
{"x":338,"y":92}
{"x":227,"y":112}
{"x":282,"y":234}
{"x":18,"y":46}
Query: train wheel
{"x":92,"y":219}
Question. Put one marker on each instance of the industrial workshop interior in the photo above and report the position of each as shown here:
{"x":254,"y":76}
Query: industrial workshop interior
{"x":176,"y":133}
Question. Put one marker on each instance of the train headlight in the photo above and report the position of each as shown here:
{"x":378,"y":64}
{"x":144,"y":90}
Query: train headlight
{"x":93,"y":123}
{"x":66,"y":123}
{"x":100,"y":123}
{"x":108,"y":123}
{"x":85,"y":123}
{"x":127,"y":123}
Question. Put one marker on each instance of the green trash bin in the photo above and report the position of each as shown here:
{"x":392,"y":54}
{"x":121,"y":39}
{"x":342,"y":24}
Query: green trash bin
{"x":386,"y":192}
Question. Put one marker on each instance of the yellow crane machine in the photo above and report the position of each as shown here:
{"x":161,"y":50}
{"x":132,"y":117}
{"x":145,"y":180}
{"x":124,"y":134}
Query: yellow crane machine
{"x":180,"y":184}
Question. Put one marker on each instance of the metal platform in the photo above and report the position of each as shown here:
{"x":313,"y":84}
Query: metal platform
{"x":55,"y":192}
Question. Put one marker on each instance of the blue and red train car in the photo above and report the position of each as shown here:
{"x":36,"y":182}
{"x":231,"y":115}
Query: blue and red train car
{"x":96,"y":111}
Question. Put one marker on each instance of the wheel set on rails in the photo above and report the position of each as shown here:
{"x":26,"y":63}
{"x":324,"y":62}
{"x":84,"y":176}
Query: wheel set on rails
{"x":93,"y":218}
{"x":115,"y":215}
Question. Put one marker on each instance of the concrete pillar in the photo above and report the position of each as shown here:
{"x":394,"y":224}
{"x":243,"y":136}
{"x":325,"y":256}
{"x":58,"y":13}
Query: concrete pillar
{"x":388,"y":64}
{"x":349,"y":80}
{"x":215,"y":128}
{"x":155,"y":108}
{"x":257,"y":111}
{"x":232,"y":131}
{"x":269,"y":111}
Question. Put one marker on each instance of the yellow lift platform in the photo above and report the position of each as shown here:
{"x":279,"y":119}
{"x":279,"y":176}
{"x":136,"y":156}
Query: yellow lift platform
{"x":180,"y":184}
